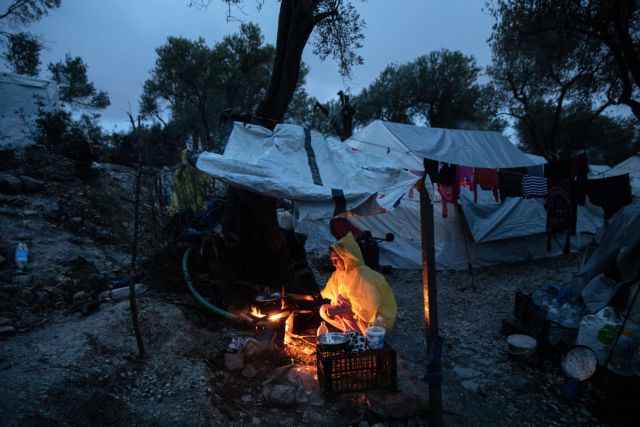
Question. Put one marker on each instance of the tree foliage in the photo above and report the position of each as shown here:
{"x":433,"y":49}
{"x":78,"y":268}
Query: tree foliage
{"x":440,"y":89}
{"x":22,"y":53}
{"x":23,"y":12}
{"x":74,"y":85}
{"x":196,"y":83}
{"x":554,"y":65}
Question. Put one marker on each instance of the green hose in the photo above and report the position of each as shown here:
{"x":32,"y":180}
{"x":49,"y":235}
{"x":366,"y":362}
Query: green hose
{"x":206,"y":304}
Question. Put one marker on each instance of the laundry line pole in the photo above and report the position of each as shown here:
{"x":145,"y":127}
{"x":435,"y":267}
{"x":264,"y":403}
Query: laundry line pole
{"x":430,"y":292}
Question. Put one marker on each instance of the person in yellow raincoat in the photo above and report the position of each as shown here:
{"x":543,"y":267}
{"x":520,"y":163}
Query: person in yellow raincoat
{"x":358,"y":294}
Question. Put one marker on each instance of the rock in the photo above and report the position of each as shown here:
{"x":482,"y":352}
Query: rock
{"x":10,"y":184}
{"x":79,"y":296}
{"x":31,"y":185}
{"x":249,"y":371}
{"x":470,"y":385}
{"x":2,"y":260}
{"x":233,"y":361}
{"x":466,"y":372}
{"x":104,"y":295}
{"x":76,"y":220}
{"x":246,"y":398}
{"x":282,"y":396}
{"x":30,"y":212}
{"x":314,"y":417}
{"x":4,"y":321}
{"x":7,"y":330}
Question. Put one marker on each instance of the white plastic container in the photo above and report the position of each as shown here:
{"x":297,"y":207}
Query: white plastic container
{"x":375,"y":337}
{"x":322,"y":329}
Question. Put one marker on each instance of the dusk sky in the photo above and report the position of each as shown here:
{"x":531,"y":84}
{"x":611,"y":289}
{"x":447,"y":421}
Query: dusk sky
{"x":117,"y":39}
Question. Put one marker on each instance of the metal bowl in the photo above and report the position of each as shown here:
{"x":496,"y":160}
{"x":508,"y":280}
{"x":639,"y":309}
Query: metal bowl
{"x":333,"y":341}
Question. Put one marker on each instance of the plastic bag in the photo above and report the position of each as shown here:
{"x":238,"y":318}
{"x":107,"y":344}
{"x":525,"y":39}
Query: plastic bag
{"x":598,"y":332}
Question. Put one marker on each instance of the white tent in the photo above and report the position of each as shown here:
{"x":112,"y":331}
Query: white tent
{"x":20,"y":98}
{"x":479,"y":234}
{"x":630,"y":166}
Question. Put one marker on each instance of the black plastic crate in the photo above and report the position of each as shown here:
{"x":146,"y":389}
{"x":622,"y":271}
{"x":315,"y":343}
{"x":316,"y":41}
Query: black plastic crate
{"x":346,"y":371}
{"x":534,"y":320}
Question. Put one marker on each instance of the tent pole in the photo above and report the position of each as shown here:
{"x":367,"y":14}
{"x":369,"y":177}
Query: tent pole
{"x":434,"y":341}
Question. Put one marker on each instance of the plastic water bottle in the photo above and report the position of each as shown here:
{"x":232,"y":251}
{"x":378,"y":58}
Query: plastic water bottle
{"x":22,"y":256}
{"x":379,"y":321}
{"x":322,"y":329}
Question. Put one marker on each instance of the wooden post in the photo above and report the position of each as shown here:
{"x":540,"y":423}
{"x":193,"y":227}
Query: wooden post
{"x":430,"y":291}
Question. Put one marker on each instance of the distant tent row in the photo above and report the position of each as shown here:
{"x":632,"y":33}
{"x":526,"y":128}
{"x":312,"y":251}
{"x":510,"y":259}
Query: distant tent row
{"x":479,"y":234}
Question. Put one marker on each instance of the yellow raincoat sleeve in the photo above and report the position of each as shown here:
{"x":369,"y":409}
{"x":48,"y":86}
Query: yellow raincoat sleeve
{"x":367,"y":291}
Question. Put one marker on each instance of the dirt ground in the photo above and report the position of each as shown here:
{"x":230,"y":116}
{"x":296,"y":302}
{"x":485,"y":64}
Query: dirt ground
{"x":83,"y":370}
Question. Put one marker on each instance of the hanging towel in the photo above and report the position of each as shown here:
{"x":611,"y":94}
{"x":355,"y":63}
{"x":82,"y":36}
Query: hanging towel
{"x":611,"y":193}
{"x":510,"y":182}
{"x":558,"y":207}
{"x":534,"y":186}
{"x":448,"y":194}
{"x":487,"y":179}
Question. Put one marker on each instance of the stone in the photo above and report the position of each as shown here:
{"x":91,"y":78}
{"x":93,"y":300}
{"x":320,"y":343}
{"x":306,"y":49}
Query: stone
{"x":76,"y":219}
{"x":7,"y":330}
{"x":79,"y":296}
{"x":104,"y":295}
{"x":466,"y":372}
{"x":31,"y":185}
{"x":246,"y":398}
{"x":4,"y":321}
{"x":30,"y":212}
{"x":233,"y":361}
{"x":249,"y":371}
{"x":470,"y":385}
{"x":10,"y":184}
{"x":2,"y":260}
{"x":282,"y":396}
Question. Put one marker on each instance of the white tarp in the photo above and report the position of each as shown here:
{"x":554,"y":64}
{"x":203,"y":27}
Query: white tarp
{"x":323,"y":174}
{"x":407,"y":145}
{"x":20,"y":98}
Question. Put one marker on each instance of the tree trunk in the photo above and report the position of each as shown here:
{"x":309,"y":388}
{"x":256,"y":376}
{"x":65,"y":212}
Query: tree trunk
{"x":254,"y":216}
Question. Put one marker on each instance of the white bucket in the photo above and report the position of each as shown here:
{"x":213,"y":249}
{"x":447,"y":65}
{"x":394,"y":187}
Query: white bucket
{"x":375,"y":337}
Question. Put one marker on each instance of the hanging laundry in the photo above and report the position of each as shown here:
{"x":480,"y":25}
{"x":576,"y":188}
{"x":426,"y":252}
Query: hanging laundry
{"x":431,"y":167}
{"x":447,"y":174}
{"x":448,"y":194}
{"x":487,"y":179}
{"x":510,"y":182}
{"x":579,"y":170}
{"x":558,"y":169}
{"x":534,"y":186}
{"x":558,"y":207}
{"x":464,"y":176}
{"x":611,"y":193}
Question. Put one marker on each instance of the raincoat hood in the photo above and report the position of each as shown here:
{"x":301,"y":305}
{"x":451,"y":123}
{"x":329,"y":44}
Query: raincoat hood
{"x":348,"y":250}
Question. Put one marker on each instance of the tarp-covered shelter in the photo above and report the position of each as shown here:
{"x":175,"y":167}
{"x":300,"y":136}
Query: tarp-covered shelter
{"x":323,"y":176}
{"x":482,"y":233}
{"x":20,"y":98}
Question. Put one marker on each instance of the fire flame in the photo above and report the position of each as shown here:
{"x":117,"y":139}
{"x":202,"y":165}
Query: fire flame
{"x":256,"y":313}
{"x":278,"y":316}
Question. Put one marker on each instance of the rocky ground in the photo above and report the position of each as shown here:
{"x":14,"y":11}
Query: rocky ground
{"x":59,"y":366}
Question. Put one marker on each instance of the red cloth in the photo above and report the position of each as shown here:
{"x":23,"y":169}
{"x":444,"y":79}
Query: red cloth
{"x":487,"y":179}
{"x":448,"y":194}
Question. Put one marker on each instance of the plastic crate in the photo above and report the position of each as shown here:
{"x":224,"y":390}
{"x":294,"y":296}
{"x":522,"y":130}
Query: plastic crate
{"x":345,"y":371}
{"x":534,"y":320}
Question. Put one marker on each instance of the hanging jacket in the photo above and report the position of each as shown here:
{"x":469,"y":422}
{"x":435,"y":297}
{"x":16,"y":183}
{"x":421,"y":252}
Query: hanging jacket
{"x":366,"y":290}
{"x":487,"y":179}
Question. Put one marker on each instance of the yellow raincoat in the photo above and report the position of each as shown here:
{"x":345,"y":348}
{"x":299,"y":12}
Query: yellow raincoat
{"x":366,"y":290}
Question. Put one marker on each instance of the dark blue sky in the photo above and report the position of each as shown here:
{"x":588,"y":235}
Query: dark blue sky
{"x":117,"y":39}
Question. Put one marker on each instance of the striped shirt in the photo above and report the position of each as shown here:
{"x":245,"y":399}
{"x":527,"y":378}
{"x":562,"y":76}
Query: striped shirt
{"x":534,"y":186}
